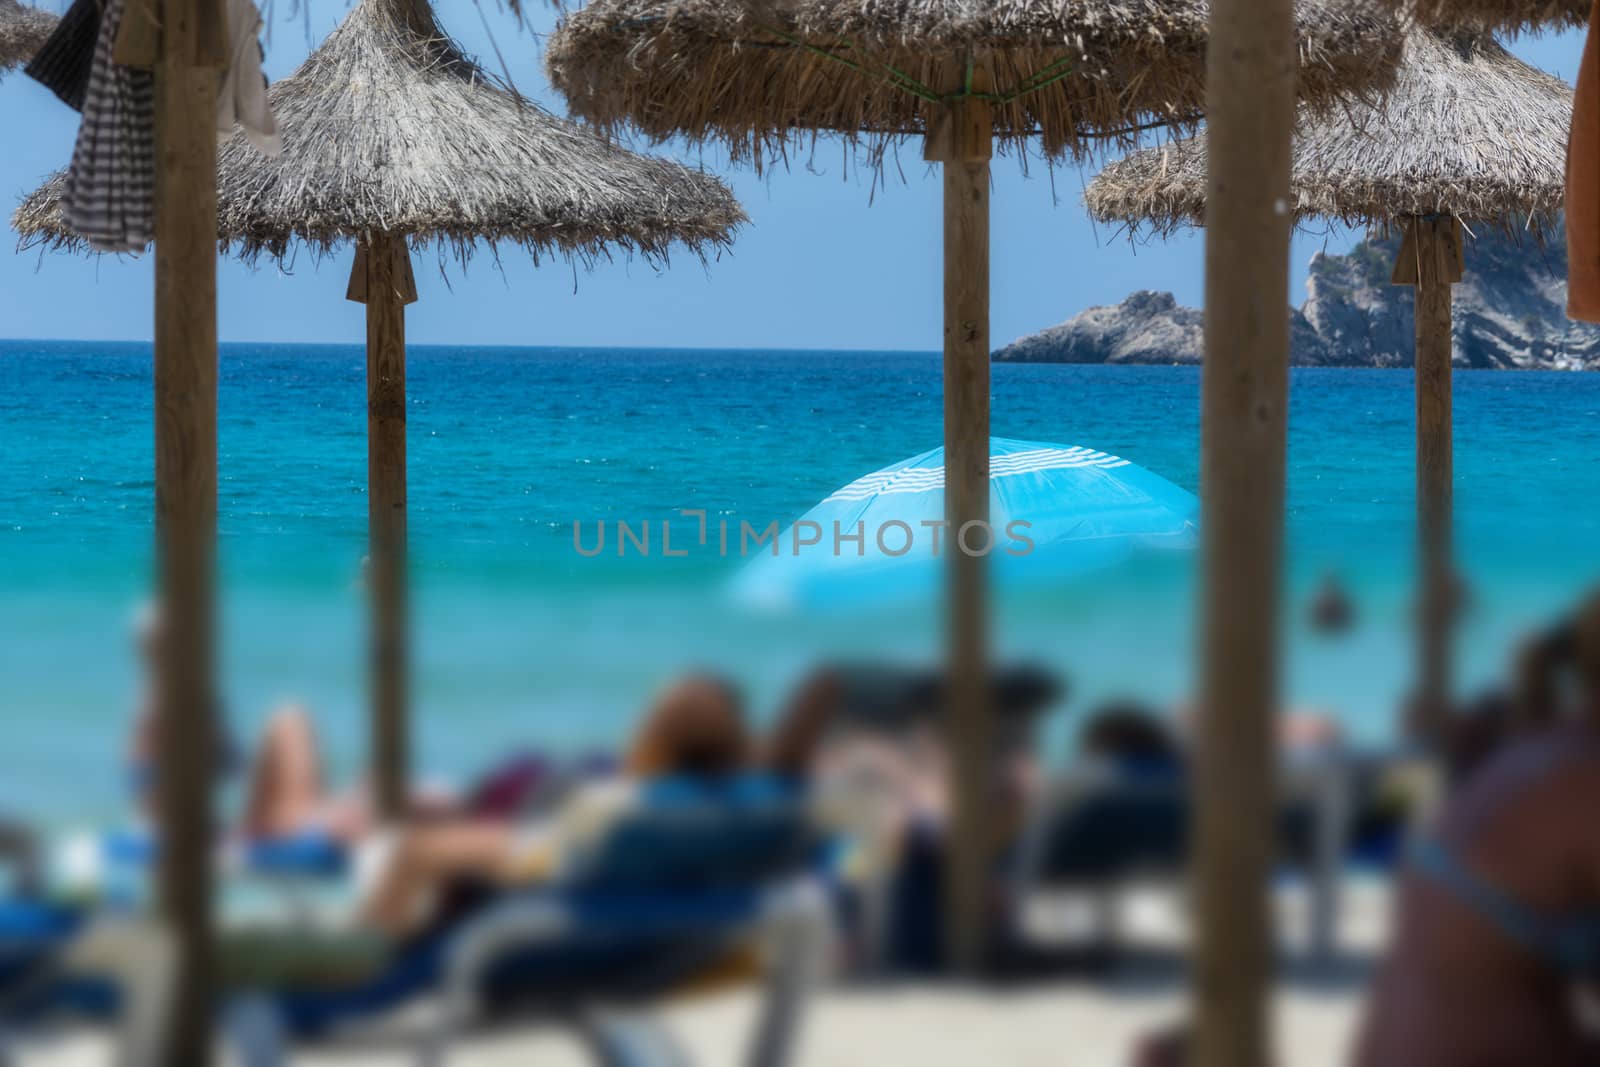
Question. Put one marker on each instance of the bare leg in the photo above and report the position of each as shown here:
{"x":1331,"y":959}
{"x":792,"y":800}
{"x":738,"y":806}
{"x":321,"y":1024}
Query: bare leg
{"x":287,"y":792}
{"x":428,"y":858}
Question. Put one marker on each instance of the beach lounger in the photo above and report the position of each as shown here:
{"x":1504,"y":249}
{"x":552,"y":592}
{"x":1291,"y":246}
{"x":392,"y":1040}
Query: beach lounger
{"x":891,"y":698}
{"x":58,"y":960}
{"x":1101,"y":829}
{"x":672,"y":892}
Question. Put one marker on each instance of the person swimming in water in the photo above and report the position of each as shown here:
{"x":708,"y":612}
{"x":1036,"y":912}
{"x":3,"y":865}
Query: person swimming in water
{"x":1498,"y":911}
{"x":1332,"y":611}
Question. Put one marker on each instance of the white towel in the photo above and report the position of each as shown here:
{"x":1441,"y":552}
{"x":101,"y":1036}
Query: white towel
{"x":242,"y":100}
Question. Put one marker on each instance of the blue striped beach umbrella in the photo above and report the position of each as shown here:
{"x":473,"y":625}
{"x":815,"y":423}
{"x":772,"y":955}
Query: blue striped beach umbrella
{"x":1054,"y":512}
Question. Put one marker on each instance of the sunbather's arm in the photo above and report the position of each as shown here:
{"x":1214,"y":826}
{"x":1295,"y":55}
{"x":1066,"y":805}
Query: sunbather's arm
{"x":542,"y":850}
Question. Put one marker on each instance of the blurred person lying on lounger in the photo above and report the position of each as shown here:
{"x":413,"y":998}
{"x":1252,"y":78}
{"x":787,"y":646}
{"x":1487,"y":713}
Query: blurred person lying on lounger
{"x":695,"y":732}
{"x":1498,"y":923}
{"x":288,"y":793}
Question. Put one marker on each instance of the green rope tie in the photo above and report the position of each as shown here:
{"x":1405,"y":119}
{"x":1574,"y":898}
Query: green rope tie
{"x":898,"y":79}
{"x":1061,"y":68}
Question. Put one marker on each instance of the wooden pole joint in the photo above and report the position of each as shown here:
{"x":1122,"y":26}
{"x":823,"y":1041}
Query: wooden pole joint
{"x":961,"y":127}
{"x":399,"y":270}
{"x":1431,"y":252}
{"x":960,"y":131}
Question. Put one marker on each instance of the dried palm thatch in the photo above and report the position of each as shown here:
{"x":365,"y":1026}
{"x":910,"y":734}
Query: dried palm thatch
{"x":1468,"y":130}
{"x":759,"y":74}
{"x":22,"y":31}
{"x":389,"y":129}
{"x":1494,"y":16}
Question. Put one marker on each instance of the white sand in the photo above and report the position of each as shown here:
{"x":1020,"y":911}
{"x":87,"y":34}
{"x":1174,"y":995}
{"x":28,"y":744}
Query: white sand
{"x":1081,"y":1022}
{"x":1065,"y":1026}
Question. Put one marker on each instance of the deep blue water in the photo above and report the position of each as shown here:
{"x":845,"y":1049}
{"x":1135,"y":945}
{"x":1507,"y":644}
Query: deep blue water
{"x":522,"y":641}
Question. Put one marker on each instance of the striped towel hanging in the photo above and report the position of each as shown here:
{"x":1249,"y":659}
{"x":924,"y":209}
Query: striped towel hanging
{"x":110,"y":186}
{"x":63,"y":62}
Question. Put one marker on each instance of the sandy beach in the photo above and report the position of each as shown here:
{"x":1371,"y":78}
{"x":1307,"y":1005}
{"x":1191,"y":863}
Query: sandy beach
{"x":1054,"y":1026}
{"x":1086,"y":1021}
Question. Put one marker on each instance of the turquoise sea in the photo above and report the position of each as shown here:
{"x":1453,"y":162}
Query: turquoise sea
{"x":523,"y":642}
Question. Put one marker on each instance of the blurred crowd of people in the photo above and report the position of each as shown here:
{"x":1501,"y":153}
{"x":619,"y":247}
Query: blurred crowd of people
{"x":1496,"y":935}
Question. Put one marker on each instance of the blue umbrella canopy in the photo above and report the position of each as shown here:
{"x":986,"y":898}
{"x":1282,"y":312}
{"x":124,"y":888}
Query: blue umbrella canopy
{"x":1054,"y":512}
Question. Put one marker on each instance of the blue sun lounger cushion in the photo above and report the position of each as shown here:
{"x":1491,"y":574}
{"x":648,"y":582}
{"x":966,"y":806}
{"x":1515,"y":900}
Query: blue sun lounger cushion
{"x":309,"y":852}
{"x":313,"y":853}
{"x":692,"y":834}
{"x":32,"y":934}
{"x":30,"y":931}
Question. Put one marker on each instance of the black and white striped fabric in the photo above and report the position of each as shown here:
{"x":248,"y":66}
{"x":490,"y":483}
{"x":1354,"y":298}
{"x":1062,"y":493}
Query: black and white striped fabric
{"x":110,"y":188}
{"x":63,"y":62}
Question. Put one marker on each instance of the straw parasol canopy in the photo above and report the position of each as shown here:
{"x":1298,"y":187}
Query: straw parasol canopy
{"x":1469,"y":133}
{"x":22,"y":31}
{"x":1494,"y":16}
{"x":1468,"y":130}
{"x":389,"y":128}
{"x":752,"y":73}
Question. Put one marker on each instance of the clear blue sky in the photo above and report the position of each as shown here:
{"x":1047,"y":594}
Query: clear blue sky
{"x":824,"y":263}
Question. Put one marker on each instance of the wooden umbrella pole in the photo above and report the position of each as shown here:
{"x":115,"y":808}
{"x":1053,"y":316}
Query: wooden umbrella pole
{"x":1430,"y":260}
{"x":1250,"y":117}
{"x":382,"y":279}
{"x":186,"y":500}
{"x":961,"y":140}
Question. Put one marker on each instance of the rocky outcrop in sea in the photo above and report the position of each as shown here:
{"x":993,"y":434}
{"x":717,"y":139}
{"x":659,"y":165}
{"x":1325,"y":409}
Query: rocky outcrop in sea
{"x":1509,"y":313}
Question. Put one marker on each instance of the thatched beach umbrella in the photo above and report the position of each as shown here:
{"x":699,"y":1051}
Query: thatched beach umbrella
{"x":761,"y":75}
{"x":393,"y":138}
{"x":1494,"y":16}
{"x":22,"y":31}
{"x":1582,"y":220}
{"x":1056,"y":75}
{"x":1469,"y":133}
